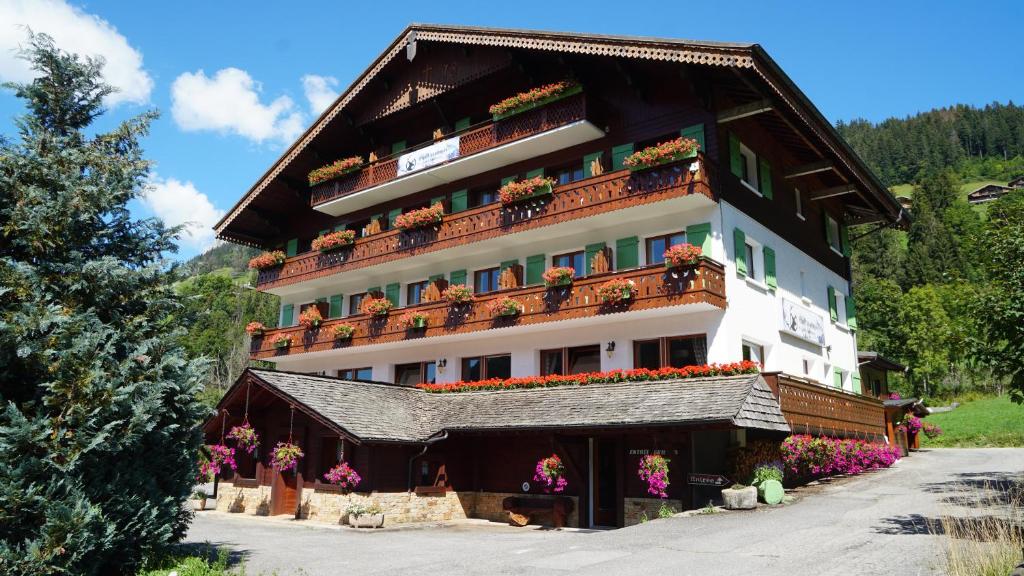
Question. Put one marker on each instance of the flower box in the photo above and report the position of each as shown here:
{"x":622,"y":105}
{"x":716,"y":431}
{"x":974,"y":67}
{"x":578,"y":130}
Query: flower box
{"x":527,"y":189}
{"x":255,"y":329}
{"x":282,"y":342}
{"x":559,"y":276}
{"x":458,"y":294}
{"x":534,"y":98}
{"x":420,"y":218}
{"x":682,"y":255}
{"x":267,"y":260}
{"x":311,"y":318}
{"x":344,"y":331}
{"x":664,"y":153}
{"x":366,"y":520}
{"x":505,"y":307}
{"x":415,"y":320}
{"x":378,"y":307}
{"x":616,"y":291}
{"x":334,"y":240}
{"x":335,"y":169}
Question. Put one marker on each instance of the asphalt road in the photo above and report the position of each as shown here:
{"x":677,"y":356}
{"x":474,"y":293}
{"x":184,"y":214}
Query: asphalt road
{"x":878,"y":523}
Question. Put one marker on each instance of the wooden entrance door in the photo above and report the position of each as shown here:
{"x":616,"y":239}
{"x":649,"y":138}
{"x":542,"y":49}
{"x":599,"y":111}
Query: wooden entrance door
{"x":606,"y":482}
{"x":284,"y":494}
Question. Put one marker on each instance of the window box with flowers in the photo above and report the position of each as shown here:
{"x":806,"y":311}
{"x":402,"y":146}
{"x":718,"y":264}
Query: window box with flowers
{"x":420,"y":218}
{"x":377,"y":307}
{"x":664,"y":153}
{"x":559,"y":276}
{"x":267,"y":260}
{"x":335,"y":169}
{"x":682,"y":255}
{"x":534,"y":98}
{"x":311,"y":318}
{"x":344,"y":331}
{"x":415,"y":320}
{"x":256,"y":329}
{"x":528,"y":189}
{"x":457,"y":294}
{"x":282,"y":342}
{"x":334,"y":240}
{"x":616,"y":291}
{"x":506,"y":307}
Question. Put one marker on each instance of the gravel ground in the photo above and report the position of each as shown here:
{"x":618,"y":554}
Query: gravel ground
{"x":877,"y":523}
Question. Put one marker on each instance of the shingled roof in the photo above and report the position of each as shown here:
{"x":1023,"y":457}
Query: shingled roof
{"x":378,"y":412}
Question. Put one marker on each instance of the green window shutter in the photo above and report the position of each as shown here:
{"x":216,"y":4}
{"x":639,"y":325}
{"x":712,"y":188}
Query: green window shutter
{"x":587,"y":161}
{"x":700,"y":236}
{"x":460,"y":200}
{"x":437,"y":200}
{"x":833,"y":310}
{"x":739,"y":241}
{"x":324,"y":232}
{"x":851,"y":312}
{"x":398,"y":147}
{"x":534,"y":173}
{"x":321,"y":299}
{"x":735,"y":160}
{"x":335,"y":308}
{"x":769,"y":268}
{"x":626,"y":253}
{"x":287,"y":315}
{"x":373,"y":290}
{"x":392,"y":214}
{"x":508,"y":179}
{"x":435,"y":277}
{"x":844,"y":239}
{"x":619,"y":154}
{"x":590,"y":251}
{"x":457,"y":277}
{"x":695,"y":132}
{"x":838,"y":372}
{"x":462,"y":124}
{"x":292,"y":248}
{"x":535,"y":269}
{"x":856,"y":382}
{"x":391,"y":292}
{"x":765,"y":175}
{"x":508,"y":264}
{"x":340,"y":227}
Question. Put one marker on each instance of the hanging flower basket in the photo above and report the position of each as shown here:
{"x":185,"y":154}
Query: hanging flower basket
{"x":505,"y":307}
{"x":282,"y":342}
{"x":654,"y":471}
{"x":219,"y":457}
{"x":533,"y":98}
{"x":550,"y":472}
{"x":378,"y":307}
{"x":344,"y":331}
{"x":420,"y":218}
{"x":457,"y":294}
{"x":343,"y":476}
{"x":616,"y":291}
{"x":245,"y":437}
{"x":559,"y":276}
{"x":335,"y":169}
{"x":415,"y":320}
{"x":663,"y":153}
{"x":267,"y":260}
{"x":682,"y":255}
{"x":527,"y":189}
{"x":285,"y":456}
{"x":334,"y":240}
{"x":311,"y":318}
{"x":255,"y":329}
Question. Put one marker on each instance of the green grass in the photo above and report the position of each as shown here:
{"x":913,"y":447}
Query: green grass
{"x":987,"y":422}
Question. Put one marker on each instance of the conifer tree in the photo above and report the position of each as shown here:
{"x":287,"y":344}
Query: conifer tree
{"x":98,"y":409}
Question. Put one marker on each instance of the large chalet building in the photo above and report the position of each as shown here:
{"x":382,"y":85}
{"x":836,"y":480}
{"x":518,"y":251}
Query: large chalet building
{"x":440,"y":195}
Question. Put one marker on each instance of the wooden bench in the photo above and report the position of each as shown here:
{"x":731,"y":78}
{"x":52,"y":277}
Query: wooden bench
{"x":522,"y":510}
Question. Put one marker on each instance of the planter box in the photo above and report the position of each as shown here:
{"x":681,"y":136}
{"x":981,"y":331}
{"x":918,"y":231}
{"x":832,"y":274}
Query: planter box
{"x":673,"y":160}
{"x":743,"y":499}
{"x":570,"y":92}
{"x":366,"y":520}
{"x":544,"y":190}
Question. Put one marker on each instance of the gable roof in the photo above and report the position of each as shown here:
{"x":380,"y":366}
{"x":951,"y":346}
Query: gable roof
{"x":376,"y":412}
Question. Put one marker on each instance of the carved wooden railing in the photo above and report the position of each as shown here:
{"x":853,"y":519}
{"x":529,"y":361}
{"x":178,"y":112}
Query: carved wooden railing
{"x":819,"y":410}
{"x":656,"y":287}
{"x":548,"y":117}
{"x":581,"y":199}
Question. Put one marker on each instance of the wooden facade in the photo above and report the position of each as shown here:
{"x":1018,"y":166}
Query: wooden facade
{"x":813,"y":409}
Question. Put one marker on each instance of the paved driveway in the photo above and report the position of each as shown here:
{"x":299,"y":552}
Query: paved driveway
{"x":873,"y":524}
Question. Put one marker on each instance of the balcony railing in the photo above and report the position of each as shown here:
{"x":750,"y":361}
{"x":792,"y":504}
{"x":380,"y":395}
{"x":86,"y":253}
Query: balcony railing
{"x":656,"y":287}
{"x":581,"y":199}
{"x":811,"y":408}
{"x":491,"y":135}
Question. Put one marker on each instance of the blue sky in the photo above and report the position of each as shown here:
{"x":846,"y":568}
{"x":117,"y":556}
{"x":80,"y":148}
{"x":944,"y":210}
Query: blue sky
{"x":228,"y":77}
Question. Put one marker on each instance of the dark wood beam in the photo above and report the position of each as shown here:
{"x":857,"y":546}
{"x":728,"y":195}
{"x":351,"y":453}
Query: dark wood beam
{"x":833,"y":191}
{"x":745,"y":110}
{"x":810,"y":168}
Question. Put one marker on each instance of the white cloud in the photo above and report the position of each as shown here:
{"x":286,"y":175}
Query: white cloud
{"x":176,"y":202}
{"x":229,"y":102}
{"x":320,"y":91}
{"x":76,"y":31}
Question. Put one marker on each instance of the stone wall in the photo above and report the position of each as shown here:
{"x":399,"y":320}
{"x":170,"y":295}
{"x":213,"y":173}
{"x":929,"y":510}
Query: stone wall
{"x":245,"y":500}
{"x":637,"y":507}
{"x":488,"y":507}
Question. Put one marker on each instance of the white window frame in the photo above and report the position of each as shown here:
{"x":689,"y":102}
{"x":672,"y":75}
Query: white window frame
{"x":799,"y":204}
{"x":752,"y":181}
{"x":841,"y":310}
{"x":754,"y":345}
{"x":808,"y":366}
{"x":836,"y":243}
{"x":755,"y":263}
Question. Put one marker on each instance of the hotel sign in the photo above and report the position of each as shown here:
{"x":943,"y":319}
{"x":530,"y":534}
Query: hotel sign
{"x":797,"y":320}
{"x":437,"y":153}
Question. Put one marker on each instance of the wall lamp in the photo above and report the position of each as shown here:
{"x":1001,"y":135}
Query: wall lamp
{"x":611,"y":348}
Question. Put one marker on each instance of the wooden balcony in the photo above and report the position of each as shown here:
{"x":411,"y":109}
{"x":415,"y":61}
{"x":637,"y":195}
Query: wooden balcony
{"x":581,"y":199}
{"x":812,"y":408}
{"x":657,"y":287}
{"x":551,"y":127}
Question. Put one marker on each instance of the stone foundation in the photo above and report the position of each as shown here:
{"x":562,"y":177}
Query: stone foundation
{"x":488,"y":507}
{"x":245,"y":500}
{"x":637,"y":507}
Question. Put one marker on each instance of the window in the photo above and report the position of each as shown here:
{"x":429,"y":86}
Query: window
{"x":748,"y":168}
{"x":415,"y":373}
{"x":808,"y":367}
{"x":575,"y":259}
{"x":656,"y":246}
{"x":576,"y":360}
{"x":832,"y":227}
{"x":486,"y":280}
{"x":355,"y":303}
{"x":840,"y":308}
{"x":414,"y":294}
{"x":551,"y":362}
{"x":569,"y":175}
{"x":803,"y":285}
{"x":751,"y":252}
{"x":323,"y":307}
{"x":753,"y":352}
{"x":356,"y":374}
{"x":478,"y":368}
{"x":674,"y":351}
{"x":481,"y":197}
{"x":799,"y":200}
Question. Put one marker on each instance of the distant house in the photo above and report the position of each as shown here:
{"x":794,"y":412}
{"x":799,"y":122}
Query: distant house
{"x":989,"y":192}
{"x":1017,"y":182}
{"x":905,"y":201}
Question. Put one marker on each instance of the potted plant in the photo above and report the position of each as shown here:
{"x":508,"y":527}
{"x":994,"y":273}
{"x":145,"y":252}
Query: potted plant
{"x":344,"y":331}
{"x":335,"y":169}
{"x":256,"y":329}
{"x":505,"y":306}
{"x":768,"y":481}
{"x":684,"y":254}
{"x":457,"y":294}
{"x":199,"y":499}
{"x":334,"y":240}
{"x":931,"y":431}
{"x":378,"y":307}
{"x":311,"y":318}
{"x":550,"y":472}
{"x":217,"y":456}
{"x":533,"y":98}
{"x":415,"y":320}
{"x":267,"y":260}
{"x":282,"y":341}
{"x":285,"y":456}
{"x":616,"y":291}
{"x":654,"y":471}
{"x":739,"y":497}
{"x":360,"y":516}
{"x":529,"y":188}
{"x":663,"y":153}
{"x":245,"y":437}
{"x":559,"y":276}
{"x":420,"y":218}
{"x":343,"y":476}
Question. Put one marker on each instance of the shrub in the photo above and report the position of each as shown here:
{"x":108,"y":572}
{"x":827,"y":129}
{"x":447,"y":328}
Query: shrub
{"x":458,"y":294}
{"x":420,"y":218}
{"x":810,"y":457}
{"x":768,"y":471}
{"x":334,"y":240}
{"x":559,"y":276}
{"x":335,"y":169}
{"x":666,"y":511}
{"x":267,"y":260}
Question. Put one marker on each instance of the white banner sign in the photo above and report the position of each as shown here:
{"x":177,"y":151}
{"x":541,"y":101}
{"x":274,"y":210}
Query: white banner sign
{"x":432,"y":155}
{"x":798,"y":321}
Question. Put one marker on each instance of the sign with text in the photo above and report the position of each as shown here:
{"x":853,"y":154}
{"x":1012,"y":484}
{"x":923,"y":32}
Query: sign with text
{"x":716,"y":480}
{"x":797,"y":320}
{"x":432,"y":155}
